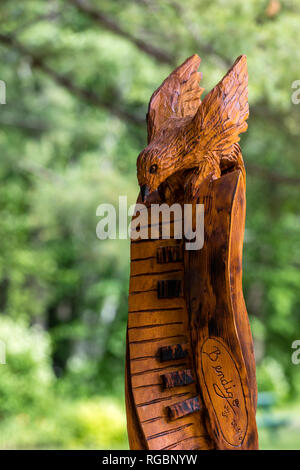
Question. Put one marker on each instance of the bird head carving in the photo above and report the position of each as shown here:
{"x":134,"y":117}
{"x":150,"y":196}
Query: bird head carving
{"x":152,"y":170}
{"x":184,"y":132}
{"x":159,"y":159}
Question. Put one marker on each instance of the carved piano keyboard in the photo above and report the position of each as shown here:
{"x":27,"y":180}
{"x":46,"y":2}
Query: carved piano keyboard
{"x":164,"y":391}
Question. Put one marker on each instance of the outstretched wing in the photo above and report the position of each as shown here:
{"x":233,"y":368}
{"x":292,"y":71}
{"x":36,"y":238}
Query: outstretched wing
{"x":178,"y":97}
{"x":223,"y":113}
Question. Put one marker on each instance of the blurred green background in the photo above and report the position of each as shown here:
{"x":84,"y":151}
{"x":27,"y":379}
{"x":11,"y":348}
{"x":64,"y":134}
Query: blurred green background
{"x":79,"y":75}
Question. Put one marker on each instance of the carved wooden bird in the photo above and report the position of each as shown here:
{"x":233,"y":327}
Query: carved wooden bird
{"x":190,"y":140}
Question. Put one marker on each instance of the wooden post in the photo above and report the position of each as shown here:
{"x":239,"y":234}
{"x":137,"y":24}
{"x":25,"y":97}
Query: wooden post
{"x":190,"y":368}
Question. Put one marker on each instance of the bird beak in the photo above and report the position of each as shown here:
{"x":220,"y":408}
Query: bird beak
{"x":144,"y":192}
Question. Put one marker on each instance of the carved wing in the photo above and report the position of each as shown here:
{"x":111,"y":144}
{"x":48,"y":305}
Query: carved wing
{"x":178,"y":97}
{"x":223,"y":113}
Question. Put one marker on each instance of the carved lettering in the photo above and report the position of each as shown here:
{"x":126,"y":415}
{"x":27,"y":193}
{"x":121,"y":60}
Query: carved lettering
{"x":225,"y":390}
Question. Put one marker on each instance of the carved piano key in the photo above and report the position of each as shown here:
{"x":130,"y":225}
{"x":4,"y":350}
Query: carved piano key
{"x":168,"y":289}
{"x":183,"y":408}
{"x":169,"y":254}
{"x":173,"y":352}
{"x":177,"y":379}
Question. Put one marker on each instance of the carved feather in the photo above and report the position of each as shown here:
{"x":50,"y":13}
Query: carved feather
{"x":177,"y":98}
{"x":223,"y":113}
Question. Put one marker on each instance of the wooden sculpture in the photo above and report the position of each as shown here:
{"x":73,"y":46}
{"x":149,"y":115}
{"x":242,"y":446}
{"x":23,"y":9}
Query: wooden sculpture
{"x":190,"y":368}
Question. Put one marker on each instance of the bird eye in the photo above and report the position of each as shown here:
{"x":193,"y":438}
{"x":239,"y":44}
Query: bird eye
{"x":153,"y":169}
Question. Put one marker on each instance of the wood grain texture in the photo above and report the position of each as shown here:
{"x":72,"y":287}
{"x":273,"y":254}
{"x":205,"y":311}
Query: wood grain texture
{"x":174,"y":351}
{"x":190,"y":368}
{"x":221,"y":341}
{"x":179,"y":378}
{"x":183,"y":408}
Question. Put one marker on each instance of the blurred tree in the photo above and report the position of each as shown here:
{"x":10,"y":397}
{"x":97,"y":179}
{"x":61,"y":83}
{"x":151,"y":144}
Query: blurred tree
{"x":79,"y":74}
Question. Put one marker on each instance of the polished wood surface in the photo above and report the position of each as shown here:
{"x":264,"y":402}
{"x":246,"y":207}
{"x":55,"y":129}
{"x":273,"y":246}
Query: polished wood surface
{"x":190,"y":368}
{"x":221,"y":337}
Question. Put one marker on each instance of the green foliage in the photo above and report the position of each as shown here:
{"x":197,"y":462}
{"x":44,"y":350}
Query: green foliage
{"x":93,"y":424}
{"x":73,"y":125}
{"x":27,"y":377}
{"x":33,"y":415}
{"x":271,"y":378}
